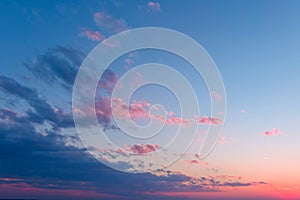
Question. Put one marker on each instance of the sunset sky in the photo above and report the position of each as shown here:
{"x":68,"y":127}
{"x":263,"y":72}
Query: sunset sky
{"x":255,"y":47}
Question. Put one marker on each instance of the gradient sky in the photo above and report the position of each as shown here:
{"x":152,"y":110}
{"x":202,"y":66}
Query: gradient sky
{"x":255,"y":45}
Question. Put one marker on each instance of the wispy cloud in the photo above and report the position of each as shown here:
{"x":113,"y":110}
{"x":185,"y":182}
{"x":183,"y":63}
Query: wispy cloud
{"x":108,"y":23}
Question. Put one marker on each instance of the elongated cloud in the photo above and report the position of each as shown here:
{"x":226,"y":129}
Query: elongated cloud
{"x":209,"y":120}
{"x":142,"y":148}
{"x":176,"y":121}
{"x":57,"y":66}
{"x":275,"y":131}
{"x":43,"y":111}
{"x":193,"y":161}
{"x":135,"y":111}
{"x":94,"y":35}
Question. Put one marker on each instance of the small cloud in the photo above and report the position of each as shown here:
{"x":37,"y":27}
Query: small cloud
{"x":196,"y":162}
{"x":223,"y":140}
{"x":275,"y":131}
{"x":216,"y":96}
{"x":93,"y":35}
{"x":243,"y":112}
{"x":108,"y":23}
{"x":142,"y":149}
{"x":193,"y":162}
{"x":210,"y":120}
{"x":154,"y":6}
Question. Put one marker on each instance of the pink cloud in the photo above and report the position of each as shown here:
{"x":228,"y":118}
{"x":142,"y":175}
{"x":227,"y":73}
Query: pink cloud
{"x":196,"y":162}
{"x":172,"y":120}
{"x":243,"y":111}
{"x":275,"y":131}
{"x":103,"y":109}
{"x":129,"y":61}
{"x":154,"y":6}
{"x":216,"y":96}
{"x":223,"y":140}
{"x":177,"y":121}
{"x":10,"y":179}
{"x":210,"y":120}
{"x":136,"y":110}
{"x":198,"y":156}
{"x":109,"y":23}
{"x":140,"y":110}
{"x":122,"y":111}
{"x":142,"y":149}
{"x":193,"y":161}
{"x":94,"y":35}
{"x":138,"y":78}
{"x":108,"y":80}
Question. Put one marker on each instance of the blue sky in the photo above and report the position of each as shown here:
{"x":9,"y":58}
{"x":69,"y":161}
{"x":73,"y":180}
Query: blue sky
{"x":255,"y":45}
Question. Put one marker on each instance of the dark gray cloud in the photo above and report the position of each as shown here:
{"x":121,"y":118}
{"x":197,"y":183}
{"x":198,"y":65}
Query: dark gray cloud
{"x":58,"y":65}
{"x":45,"y":161}
{"x":42,"y":110}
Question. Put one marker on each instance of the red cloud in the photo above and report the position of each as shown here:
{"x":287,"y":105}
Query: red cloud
{"x":177,"y":121}
{"x":275,"y":131}
{"x":94,"y":35}
{"x":142,"y":149}
{"x":210,"y":120}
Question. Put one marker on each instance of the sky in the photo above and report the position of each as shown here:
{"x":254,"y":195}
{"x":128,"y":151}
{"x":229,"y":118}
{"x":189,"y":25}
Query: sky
{"x":47,"y":152}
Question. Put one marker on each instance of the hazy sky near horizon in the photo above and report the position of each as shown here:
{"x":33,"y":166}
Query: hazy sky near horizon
{"x":254,"y":44}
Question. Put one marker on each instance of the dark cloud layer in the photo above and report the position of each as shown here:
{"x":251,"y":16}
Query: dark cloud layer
{"x":43,"y":160}
{"x":58,"y":65}
{"x":42,"y":110}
